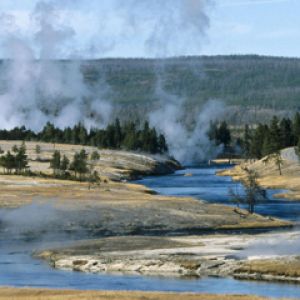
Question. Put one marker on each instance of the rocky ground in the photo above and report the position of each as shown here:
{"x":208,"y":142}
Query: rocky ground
{"x":269,"y":175}
{"x":197,"y":256}
{"x":38,"y":294}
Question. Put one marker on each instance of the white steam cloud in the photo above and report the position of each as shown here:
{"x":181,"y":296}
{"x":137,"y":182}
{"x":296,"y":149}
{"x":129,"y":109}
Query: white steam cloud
{"x":40,"y":89}
{"x":189,"y":146}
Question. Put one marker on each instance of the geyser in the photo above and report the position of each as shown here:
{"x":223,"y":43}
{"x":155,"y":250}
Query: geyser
{"x":43,"y":74}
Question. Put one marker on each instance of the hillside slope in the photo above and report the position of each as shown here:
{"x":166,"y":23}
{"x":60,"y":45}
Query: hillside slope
{"x":115,"y":165}
{"x":269,"y":175}
{"x":253,"y":87}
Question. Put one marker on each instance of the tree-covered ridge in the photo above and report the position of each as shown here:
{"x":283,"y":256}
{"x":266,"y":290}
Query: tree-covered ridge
{"x":268,"y":82}
{"x":127,"y":136}
{"x":247,"y":84}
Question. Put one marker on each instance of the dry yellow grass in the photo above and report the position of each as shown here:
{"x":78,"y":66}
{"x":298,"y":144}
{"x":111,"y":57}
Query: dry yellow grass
{"x":128,"y":199}
{"x":276,"y":267}
{"x":269,"y":176}
{"x":114,"y":164}
{"x":39,"y":294}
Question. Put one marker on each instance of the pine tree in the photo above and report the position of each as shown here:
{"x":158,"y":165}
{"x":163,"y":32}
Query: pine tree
{"x":274,"y":136}
{"x":212,"y":131}
{"x":64,"y":165}
{"x":118,"y":136}
{"x":21,"y":159}
{"x":258,"y":140}
{"x":48,"y":133}
{"x":296,"y":129}
{"x":55,"y":162}
{"x":246,"y":143}
{"x":162,"y":144}
{"x":8,"y":162}
{"x":79,"y":164}
{"x":95,"y":156}
{"x":82,"y":134}
{"x":286,"y":135}
{"x":224,"y":135}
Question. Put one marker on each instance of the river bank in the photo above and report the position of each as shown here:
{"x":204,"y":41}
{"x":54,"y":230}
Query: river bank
{"x":188,"y":256}
{"x":113,"y":164}
{"x":113,"y":208}
{"x":37,"y":294}
{"x":69,"y":209}
{"x":270,"y":176}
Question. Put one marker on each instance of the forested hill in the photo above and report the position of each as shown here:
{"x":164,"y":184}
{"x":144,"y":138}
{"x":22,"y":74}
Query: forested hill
{"x":271,"y":82}
{"x":266,"y":84}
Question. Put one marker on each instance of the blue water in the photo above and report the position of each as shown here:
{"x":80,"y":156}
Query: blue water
{"x":18,"y":268}
{"x":205,"y":185}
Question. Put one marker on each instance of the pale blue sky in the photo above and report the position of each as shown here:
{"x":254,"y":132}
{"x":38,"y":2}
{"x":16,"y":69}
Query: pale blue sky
{"x":137,"y":28}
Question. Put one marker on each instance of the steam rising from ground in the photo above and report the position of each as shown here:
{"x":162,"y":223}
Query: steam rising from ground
{"x":189,"y":146}
{"x":287,"y":243}
{"x":34,"y":218}
{"x":40,"y":89}
{"x":48,"y":221}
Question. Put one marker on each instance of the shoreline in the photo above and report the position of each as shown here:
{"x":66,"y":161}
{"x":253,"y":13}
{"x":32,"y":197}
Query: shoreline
{"x":181,"y":256}
{"x":37,"y":294}
{"x":126,"y":209}
{"x":269,"y":176}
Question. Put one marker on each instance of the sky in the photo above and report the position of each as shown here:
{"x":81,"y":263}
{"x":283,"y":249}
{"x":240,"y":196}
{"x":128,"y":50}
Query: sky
{"x":155,"y":28}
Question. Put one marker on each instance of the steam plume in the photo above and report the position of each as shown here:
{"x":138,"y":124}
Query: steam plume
{"x":39,"y":89}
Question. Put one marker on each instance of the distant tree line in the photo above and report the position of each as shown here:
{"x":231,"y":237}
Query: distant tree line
{"x":127,"y":136}
{"x":220,"y":134}
{"x":257,"y":141}
{"x":270,"y":138}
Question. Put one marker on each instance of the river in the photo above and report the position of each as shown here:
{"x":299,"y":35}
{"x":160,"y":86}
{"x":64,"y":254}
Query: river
{"x":19,"y":269}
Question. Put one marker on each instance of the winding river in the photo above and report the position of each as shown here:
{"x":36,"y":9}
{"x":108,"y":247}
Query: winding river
{"x":17,"y":268}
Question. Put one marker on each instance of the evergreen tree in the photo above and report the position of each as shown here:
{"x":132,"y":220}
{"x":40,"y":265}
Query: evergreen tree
{"x":257,"y":141}
{"x":8,"y":162}
{"x":246,"y":143}
{"x":212,"y":131}
{"x":64,"y":165}
{"x":48,"y":133}
{"x":131,"y":140}
{"x":296,"y":129}
{"x":95,"y":155}
{"x":274,"y":136}
{"x":79,"y":164}
{"x":21,"y":158}
{"x":55,"y":162}
{"x":162,"y":144}
{"x":223,"y":135}
{"x":82,"y":134}
{"x":118,"y":136}
{"x":286,"y":134}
